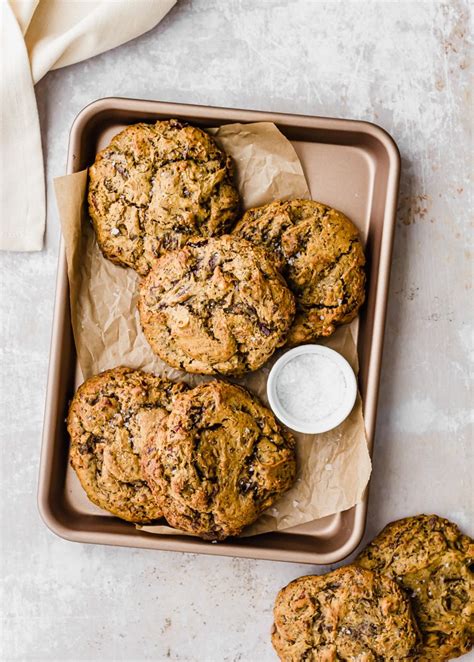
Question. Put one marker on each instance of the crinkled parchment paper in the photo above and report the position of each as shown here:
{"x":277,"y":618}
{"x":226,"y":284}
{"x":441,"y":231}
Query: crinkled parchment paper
{"x":334,"y":467}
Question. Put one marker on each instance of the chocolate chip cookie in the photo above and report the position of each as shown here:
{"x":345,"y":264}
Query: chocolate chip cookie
{"x":154,"y":187}
{"x":433,"y":561}
{"x":320,"y":254}
{"x":108,"y":420}
{"x":218,"y":461}
{"x":349,"y":614}
{"x":216,"y":306}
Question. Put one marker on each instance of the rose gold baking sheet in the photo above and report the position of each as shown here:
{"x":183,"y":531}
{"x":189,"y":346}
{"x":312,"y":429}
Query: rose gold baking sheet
{"x":353,"y":166}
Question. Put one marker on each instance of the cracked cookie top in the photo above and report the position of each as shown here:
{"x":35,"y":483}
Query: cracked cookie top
{"x":434,"y":563}
{"x":216,"y":306}
{"x":348,"y":614}
{"x":320,"y":254}
{"x":218,"y":461}
{"x":109,"y":418}
{"x":154,"y":187}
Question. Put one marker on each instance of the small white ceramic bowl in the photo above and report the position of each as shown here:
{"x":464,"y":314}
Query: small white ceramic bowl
{"x":305,"y":416}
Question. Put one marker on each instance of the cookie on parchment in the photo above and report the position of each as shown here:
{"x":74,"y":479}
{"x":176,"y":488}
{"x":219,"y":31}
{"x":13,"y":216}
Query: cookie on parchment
{"x":219,"y":460}
{"x":349,"y":614}
{"x":216,"y":306}
{"x":109,"y":417}
{"x":155,"y":186}
{"x":321,"y":257}
{"x":433,"y":562}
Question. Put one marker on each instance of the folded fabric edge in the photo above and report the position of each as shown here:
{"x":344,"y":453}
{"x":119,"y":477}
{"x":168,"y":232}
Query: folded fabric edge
{"x":17,"y":242}
{"x":22,"y":189}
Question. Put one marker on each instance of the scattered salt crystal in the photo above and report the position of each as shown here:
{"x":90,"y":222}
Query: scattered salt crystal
{"x":310,"y":387}
{"x":321,"y":317}
{"x":115,"y":232}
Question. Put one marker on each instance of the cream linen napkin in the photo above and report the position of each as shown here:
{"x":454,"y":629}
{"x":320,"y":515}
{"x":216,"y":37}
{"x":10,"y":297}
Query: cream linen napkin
{"x":37,"y":36}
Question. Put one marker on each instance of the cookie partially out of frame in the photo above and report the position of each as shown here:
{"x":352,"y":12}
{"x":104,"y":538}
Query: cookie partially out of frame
{"x":219,"y":460}
{"x":433,"y":562}
{"x":321,"y":257}
{"x":108,"y":420}
{"x":216,"y":306}
{"x":155,"y":186}
{"x":349,"y":614}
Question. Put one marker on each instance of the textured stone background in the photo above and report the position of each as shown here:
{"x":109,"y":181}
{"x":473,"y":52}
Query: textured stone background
{"x":403,"y":65}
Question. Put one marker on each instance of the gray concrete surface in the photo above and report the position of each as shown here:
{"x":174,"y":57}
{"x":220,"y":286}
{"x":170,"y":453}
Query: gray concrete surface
{"x":404,"y":65}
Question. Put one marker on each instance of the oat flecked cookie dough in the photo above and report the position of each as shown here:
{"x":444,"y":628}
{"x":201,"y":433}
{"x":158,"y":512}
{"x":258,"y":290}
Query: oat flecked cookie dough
{"x":108,"y":420}
{"x":320,"y":254}
{"x":155,"y":186}
{"x":349,"y":614}
{"x":219,"y":460}
{"x":433,"y":562}
{"x":217,"y":306}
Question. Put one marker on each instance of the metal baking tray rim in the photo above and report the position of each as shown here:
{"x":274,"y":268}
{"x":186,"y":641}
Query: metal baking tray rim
{"x":51,"y":515}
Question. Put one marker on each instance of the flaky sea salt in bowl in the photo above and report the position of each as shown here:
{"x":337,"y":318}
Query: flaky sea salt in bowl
{"x":312,"y":389}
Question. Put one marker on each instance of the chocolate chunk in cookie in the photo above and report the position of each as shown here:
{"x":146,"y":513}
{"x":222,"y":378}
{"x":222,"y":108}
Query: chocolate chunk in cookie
{"x":154,"y":187}
{"x":217,"y":306}
{"x":219,"y":461}
{"x":349,"y":614}
{"x":320,"y":254}
{"x":433,"y":562}
{"x":109,"y":418}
